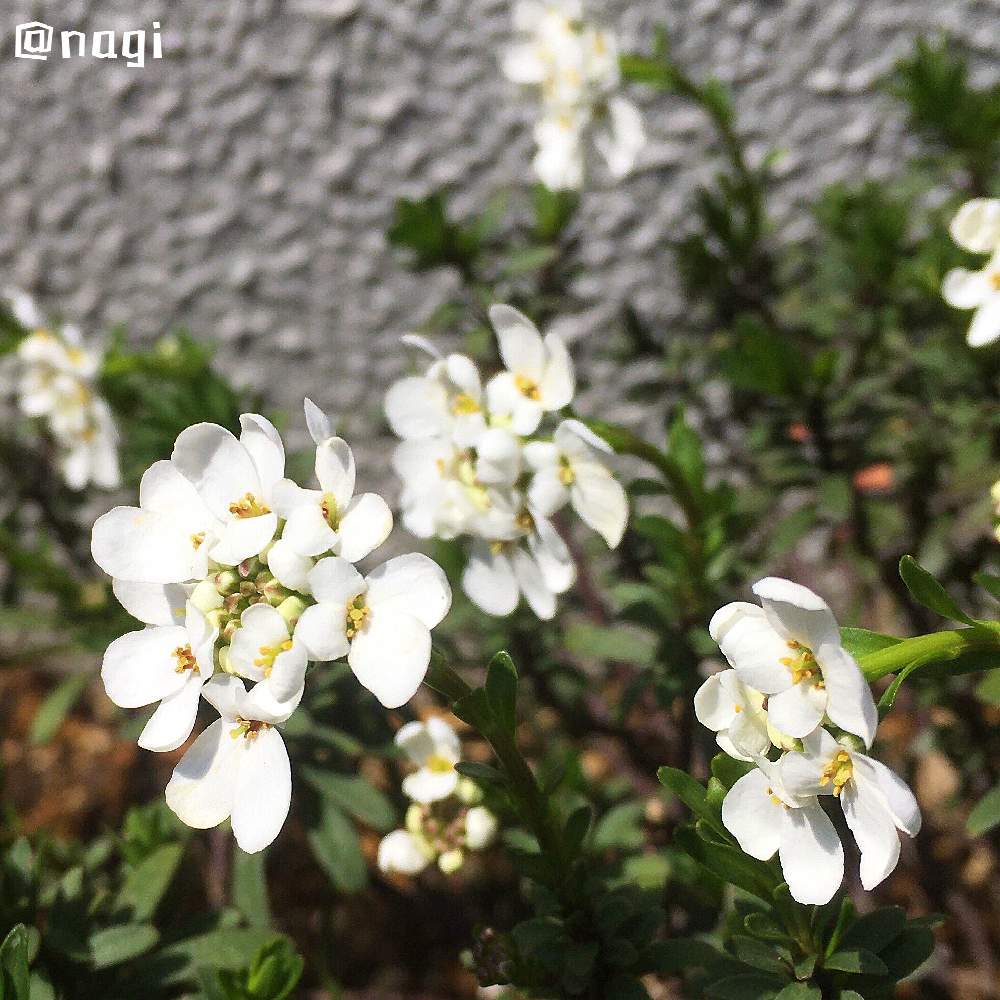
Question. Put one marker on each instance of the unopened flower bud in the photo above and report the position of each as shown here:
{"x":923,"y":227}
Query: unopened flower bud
{"x":291,"y":609}
{"x":227,"y":581}
{"x":205,"y":597}
{"x":451,"y":861}
{"x":249,"y":567}
{"x":229,"y":629}
{"x":223,"y":658}
{"x":852,"y":742}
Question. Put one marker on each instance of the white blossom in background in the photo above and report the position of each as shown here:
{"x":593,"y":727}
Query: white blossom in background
{"x":574,"y":66}
{"x":792,"y":680}
{"x":241,"y":575}
{"x":57,"y":383}
{"x":491,"y":463}
{"x":976,"y":228}
{"x":446,"y":819}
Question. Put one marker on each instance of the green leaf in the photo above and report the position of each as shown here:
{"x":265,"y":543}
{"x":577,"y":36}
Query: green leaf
{"x":334,"y":841}
{"x":527,"y":259}
{"x":685,"y":449}
{"x":909,"y":951}
{"x":146,"y":883}
{"x":275,"y":971}
{"x":354,"y":795}
{"x":755,"y":953}
{"x":14,"y":963}
{"x":988,"y":582}
{"x":553,"y":211}
{"x":482,"y":774}
{"x":624,"y":987}
{"x":860,"y":961}
{"x":677,"y":955}
{"x":250,"y":887}
{"x":988,"y":689}
{"x":501,"y":691}
{"x":474,"y":709}
{"x":577,"y":827}
{"x":745,"y":987}
{"x":56,"y":706}
{"x":620,"y":826}
{"x":226,"y":948}
{"x":985,"y":814}
{"x":617,"y":644}
{"x":728,"y":770}
{"x":800,"y":991}
{"x":115,"y":945}
{"x":928,"y":592}
{"x":875,"y":930}
{"x":762,"y":926}
{"x":860,"y":641}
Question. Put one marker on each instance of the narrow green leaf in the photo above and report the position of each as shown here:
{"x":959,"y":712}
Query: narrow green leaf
{"x":928,"y":592}
{"x":501,"y":691}
{"x":875,"y":930}
{"x":800,"y":991}
{"x":146,"y":883}
{"x":56,"y":706}
{"x":481,"y":773}
{"x":860,"y":641}
{"x":115,"y":945}
{"x":14,"y":962}
{"x":354,"y":795}
{"x":334,"y":842}
{"x":860,"y":961}
{"x":474,"y":709}
{"x":745,"y":987}
{"x":250,"y":887}
{"x":985,"y":814}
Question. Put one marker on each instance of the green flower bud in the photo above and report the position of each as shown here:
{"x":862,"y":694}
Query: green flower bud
{"x":291,"y":609}
{"x":205,"y":597}
{"x":227,"y":581}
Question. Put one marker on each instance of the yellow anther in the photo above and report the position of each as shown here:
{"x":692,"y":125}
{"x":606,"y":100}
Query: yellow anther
{"x":441,"y":467}
{"x":838,"y":771}
{"x":439,"y":764}
{"x":328,"y":505}
{"x":268,"y":654}
{"x":995,"y":281}
{"x":357,"y":614}
{"x":774,"y":798}
{"x":496,"y":548}
{"x":525,"y":521}
{"x":566,"y":474}
{"x":185,"y":660}
{"x":737,"y":709}
{"x":249,"y":729}
{"x":249,"y":506}
{"x":464,"y":404}
{"x":527,"y":387}
{"x":197,"y":539}
{"x":802,"y":665}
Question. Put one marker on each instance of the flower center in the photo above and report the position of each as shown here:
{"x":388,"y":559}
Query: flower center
{"x":774,"y":798}
{"x":248,"y":728}
{"x":185,"y":660}
{"x":527,"y":387}
{"x":357,"y":614}
{"x":464,"y":404}
{"x":566,"y":474}
{"x":249,"y":506}
{"x":268,"y":654}
{"x":838,"y":771}
{"x":196,"y":540}
{"x":525,"y":521}
{"x":995,"y":281}
{"x":439,"y":764}
{"x":328,"y":505}
{"x":802,"y":664}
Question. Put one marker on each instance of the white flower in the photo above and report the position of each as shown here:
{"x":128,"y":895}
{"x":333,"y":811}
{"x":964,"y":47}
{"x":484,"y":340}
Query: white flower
{"x":568,"y":469}
{"x":765,"y":818}
{"x":164,"y":663}
{"x":480,"y":828}
{"x":790,"y":650}
{"x":238,"y":767}
{"x":498,"y":573}
{"x":877,"y":803}
{"x":447,"y":401}
{"x":235,"y":480}
{"x":735,"y":713}
{"x":539,"y":376}
{"x":400,"y":852}
{"x":620,"y":136}
{"x":262,"y":650}
{"x":381,"y":622}
{"x":976,"y":228}
{"x":435,"y":748}
{"x":559,"y":161}
{"x":332,"y":518}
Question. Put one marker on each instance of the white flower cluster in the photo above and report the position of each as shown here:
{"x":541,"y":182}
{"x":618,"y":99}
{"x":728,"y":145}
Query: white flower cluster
{"x":792,"y":680}
{"x":474,"y":462}
{"x":444,"y":820}
{"x":575,"y":66}
{"x":57,"y":382}
{"x":240,"y":574}
{"x":976,"y":228}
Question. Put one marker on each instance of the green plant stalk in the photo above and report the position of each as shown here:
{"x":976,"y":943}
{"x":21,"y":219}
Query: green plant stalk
{"x":937,"y":647}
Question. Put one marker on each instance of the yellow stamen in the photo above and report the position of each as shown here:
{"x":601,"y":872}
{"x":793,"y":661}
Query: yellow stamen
{"x":525,"y":521}
{"x":527,"y":387}
{"x":439,"y":764}
{"x":249,"y":506}
{"x":357,"y":614}
{"x":248,"y":728}
{"x":196,"y":540}
{"x":774,"y":798}
{"x":995,"y":281}
{"x":839,"y":771}
{"x":464,"y":404}
{"x":737,"y":709}
{"x":803,"y":664}
{"x":185,"y":660}
{"x":566,"y":474}
{"x":328,"y":505}
{"x":268,"y":654}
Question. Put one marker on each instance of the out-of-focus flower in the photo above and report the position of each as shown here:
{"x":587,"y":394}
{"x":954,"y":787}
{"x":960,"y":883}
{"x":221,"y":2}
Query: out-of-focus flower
{"x":435,"y":748}
{"x":735,"y":713}
{"x":976,"y":228}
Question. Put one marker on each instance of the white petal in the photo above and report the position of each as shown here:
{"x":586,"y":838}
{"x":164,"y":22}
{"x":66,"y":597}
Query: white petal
{"x":263,"y":791}
{"x":421,"y":343}
{"x":140,"y":667}
{"x":489,"y":582}
{"x":288,"y":673}
{"x":573,"y":432}
{"x":797,"y":711}
{"x":751,"y":645}
{"x":505,"y":399}
{"x":171,"y":724}
{"x":964,"y":289}
{"x":24,"y":309}
{"x":520,"y":343}
{"x":243,"y":538}
{"x":290,"y":569}
{"x":133,"y":544}
{"x":217,"y":465}
{"x":795,"y":612}
{"x":152,"y":603}
{"x":873,"y":829}
{"x":364,"y":526}
{"x":203,"y":784}
{"x":849,"y":698}
{"x":558,"y":383}
{"x":335,"y":470}
{"x":976,"y":226}
{"x":400,"y":852}
{"x":811,"y":855}
{"x":985,"y":326}
{"x":547,"y":492}
{"x":317,"y":421}
{"x":260,"y":626}
{"x":801,"y":772}
{"x":480,"y":828}
{"x":532,"y":584}
{"x":426,"y":785}
{"x":163,"y":489}
{"x":262,"y":440}
{"x":552,"y":556}
{"x":417,"y":407}
{"x":321,"y":630}
{"x":335,"y":581}
{"x":539,"y":455}
{"x":445,"y":738}
{"x":286,"y":496}
{"x":900,"y":801}
{"x":498,"y":457}
{"x":623,"y":139}
{"x":413,"y":584}
{"x":225,"y":694}
{"x":751,"y":816}
{"x":389,"y":656}
{"x":714,"y":706}
{"x":522,"y":64}
{"x":259,"y":703}
{"x":600,"y":500}
{"x":748,"y":732}
{"x":416,"y":741}
{"x":308,"y":532}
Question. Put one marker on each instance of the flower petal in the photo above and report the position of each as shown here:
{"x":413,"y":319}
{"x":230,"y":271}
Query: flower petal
{"x":335,"y":581}
{"x":600,"y":501}
{"x":202,"y":787}
{"x":488,"y":581}
{"x":811,"y":855}
{"x":400,"y":852}
{"x":389,"y":656}
{"x":152,"y":603}
{"x":289,"y":672}
{"x":416,"y":741}
{"x":317,"y":421}
{"x":985,"y":326}
{"x":900,"y":801}
{"x":849,"y":698}
{"x":553,"y":557}
{"x":263,"y":442}
{"x":747,"y":733}
{"x":797,"y":711}
{"x":171,"y":724}
{"x":225,"y":694}
{"x":873,"y":829}
{"x":243,"y":538}
{"x":623,"y":139}
{"x":714,"y":707}
{"x":532,"y":585}
{"x":752,"y":817}
{"x":965,"y":289}
{"x":335,"y":470}
{"x":976,"y":226}
{"x":426,"y":785}
{"x":558,"y":383}
{"x":795,"y":612}
{"x":140,"y":667}
{"x":751,"y":646}
{"x":217,"y":465}
{"x":290,"y":569}
{"x":321,"y":630}
{"x":364,"y":526}
{"x":480,"y":828}
{"x":263,"y":791}
{"x":129,"y":543}
{"x":259,"y":703}
{"x":417,"y":407}
{"x":520,"y":343}
{"x":546,"y":492}
{"x":412,"y":584}
{"x":308,"y":532}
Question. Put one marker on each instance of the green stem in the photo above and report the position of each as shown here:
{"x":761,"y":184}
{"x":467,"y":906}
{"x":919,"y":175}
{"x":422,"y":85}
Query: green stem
{"x":936,"y":647}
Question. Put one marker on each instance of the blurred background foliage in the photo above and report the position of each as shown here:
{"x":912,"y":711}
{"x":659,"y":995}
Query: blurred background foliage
{"x":816,"y":414}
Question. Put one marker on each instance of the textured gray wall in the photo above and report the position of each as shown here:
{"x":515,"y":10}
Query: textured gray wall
{"x":242,"y":185}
